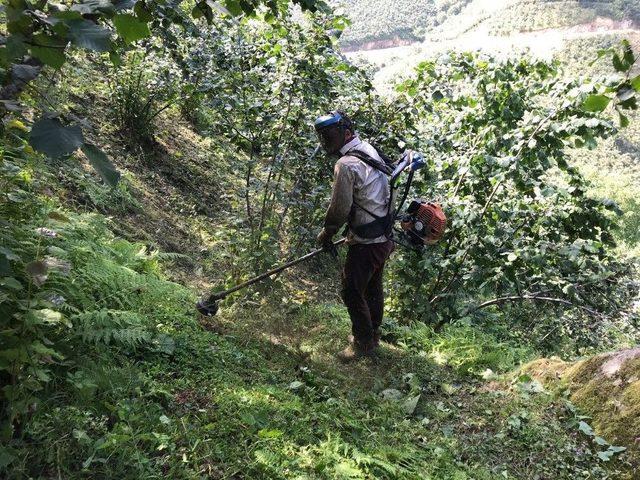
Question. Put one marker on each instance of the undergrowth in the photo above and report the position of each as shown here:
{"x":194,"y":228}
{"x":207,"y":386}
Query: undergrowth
{"x":108,"y":374}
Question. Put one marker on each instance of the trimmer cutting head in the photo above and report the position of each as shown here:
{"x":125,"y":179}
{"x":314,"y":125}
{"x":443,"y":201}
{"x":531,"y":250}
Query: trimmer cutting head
{"x":207,"y":307}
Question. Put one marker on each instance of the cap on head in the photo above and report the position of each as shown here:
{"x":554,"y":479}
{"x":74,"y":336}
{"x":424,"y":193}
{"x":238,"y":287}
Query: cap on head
{"x":324,"y":121}
{"x":332,"y":131}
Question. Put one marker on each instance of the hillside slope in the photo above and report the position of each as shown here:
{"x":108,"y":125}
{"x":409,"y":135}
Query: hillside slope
{"x":377,"y":24}
{"x":108,"y":372}
{"x":257,"y":391}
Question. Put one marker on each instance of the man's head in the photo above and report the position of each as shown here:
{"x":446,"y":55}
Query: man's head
{"x":334,"y":130}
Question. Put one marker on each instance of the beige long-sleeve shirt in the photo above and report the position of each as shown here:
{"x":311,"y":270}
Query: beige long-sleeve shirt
{"x":354,"y":180}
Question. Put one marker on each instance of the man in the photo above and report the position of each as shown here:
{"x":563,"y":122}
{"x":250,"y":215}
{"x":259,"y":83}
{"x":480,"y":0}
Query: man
{"x":361,"y":198}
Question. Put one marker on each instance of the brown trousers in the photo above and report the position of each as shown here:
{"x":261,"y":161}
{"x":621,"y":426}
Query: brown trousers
{"x":362,"y":291}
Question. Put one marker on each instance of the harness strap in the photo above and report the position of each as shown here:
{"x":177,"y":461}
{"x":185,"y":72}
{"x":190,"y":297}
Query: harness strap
{"x":377,"y":217}
{"x":385,"y":168}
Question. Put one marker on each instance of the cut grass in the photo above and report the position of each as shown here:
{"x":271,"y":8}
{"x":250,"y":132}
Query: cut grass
{"x":259,"y":394}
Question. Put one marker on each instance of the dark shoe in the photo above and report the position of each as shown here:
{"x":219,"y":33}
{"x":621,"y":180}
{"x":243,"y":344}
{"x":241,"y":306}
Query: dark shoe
{"x":376,"y":339}
{"x":356,"y":351}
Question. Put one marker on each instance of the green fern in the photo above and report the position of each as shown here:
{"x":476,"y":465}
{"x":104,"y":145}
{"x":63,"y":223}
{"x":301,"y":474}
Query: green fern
{"x":112,"y":327}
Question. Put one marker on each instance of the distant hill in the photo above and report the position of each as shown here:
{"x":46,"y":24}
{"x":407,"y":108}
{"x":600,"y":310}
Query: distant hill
{"x":381,"y":24}
{"x":505,"y":17}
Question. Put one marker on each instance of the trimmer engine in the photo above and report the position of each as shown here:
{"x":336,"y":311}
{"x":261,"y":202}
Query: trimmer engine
{"x":424,"y":223}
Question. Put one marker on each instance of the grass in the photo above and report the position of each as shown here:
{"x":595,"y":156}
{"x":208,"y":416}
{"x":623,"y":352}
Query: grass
{"x":258,"y":394}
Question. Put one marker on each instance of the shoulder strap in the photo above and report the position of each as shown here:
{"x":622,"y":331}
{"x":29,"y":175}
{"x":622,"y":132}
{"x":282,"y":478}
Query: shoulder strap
{"x":384,"y":168}
{"x":377,"y":217}
{"x":384,"y":157}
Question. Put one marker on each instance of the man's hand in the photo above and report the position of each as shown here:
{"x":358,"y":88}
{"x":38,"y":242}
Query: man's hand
{"x":325,"y":241}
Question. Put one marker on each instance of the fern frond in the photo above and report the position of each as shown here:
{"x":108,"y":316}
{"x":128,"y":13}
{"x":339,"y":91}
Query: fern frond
{"x":111,"y":327}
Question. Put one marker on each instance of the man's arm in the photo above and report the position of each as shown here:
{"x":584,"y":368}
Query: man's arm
{"x":341,"y":203}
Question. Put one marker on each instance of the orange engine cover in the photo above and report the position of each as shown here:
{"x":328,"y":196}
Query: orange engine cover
{"x":427,"y":222}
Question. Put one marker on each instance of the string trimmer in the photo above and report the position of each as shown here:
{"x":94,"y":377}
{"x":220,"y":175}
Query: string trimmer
{"x":422,"y":224}
{"x":209,"y":306}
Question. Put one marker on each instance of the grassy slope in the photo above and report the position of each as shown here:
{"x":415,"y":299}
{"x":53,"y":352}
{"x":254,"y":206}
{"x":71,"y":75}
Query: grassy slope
{"x":257,"y":391}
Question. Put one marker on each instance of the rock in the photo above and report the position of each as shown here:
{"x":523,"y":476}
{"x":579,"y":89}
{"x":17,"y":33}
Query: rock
{"x":606,"y":387}
{"x":617,"y":359}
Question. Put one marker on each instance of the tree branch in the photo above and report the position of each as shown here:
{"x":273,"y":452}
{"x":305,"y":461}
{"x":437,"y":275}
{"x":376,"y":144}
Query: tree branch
{"x":533,"y":297}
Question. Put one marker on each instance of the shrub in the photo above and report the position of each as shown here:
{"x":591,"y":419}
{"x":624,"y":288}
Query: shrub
{"x":141,"y":91}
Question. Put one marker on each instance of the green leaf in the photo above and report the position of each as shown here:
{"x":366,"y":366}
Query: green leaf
{"x":11,"y":283}
{"x":410,"y":404}
{"x":49,"y":49}
{"x":116,"y":60}
{"x":596,"y":103}
{"x":6,"y":457}
{"x":86,"y":34}
{"x":616,"y":449}
{"x":50,"y":137}
{"x":585,"y":428}
{"x":618,"y":64}
{"x":102,"y":164}
{"x":624,"y":120}
{"x":605,"y":456}
{"x":601,"y":441}
{"x":82,"y":437}
{"x":202,"y":9}
{"x":142,"y":11}
{"x":5,"y":266}
{"x":130,"y":28}
{"x":631,"y":103}
{"x":628,"y":57}
{"x":67,"y":15}
{"x":16,"y":48}
{"x":635,"y":83}
{"x":248,"y":418}
{"x":233,"y":6}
